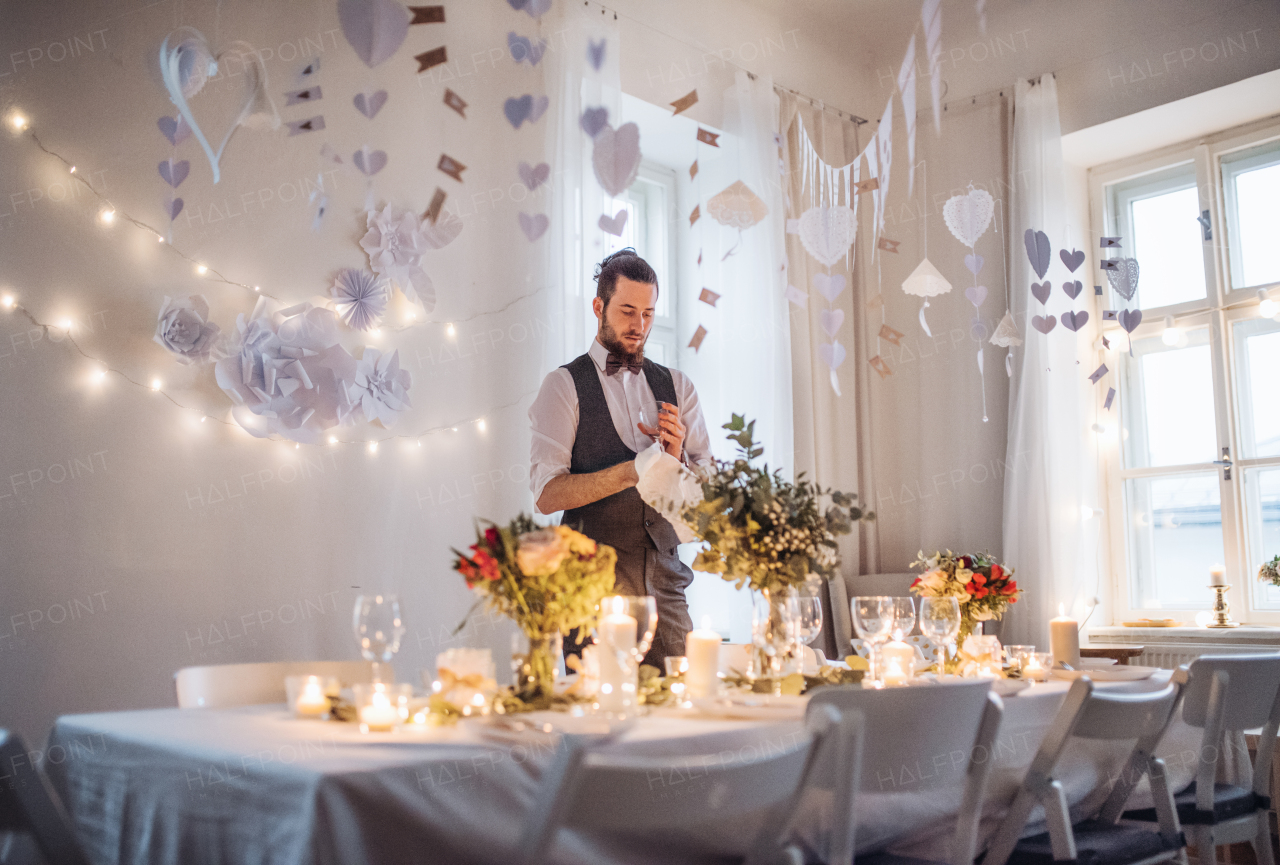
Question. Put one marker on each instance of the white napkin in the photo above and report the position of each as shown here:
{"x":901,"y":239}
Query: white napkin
{"x":667,"y":487}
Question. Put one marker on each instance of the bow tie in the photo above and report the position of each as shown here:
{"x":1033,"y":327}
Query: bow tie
{"x":615,"y":363}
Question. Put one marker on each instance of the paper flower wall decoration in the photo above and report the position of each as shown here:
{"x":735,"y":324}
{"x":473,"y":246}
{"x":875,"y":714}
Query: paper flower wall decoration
{"x":360,"y":298}
{"x":737,"y":206}
{"x":925,"y":281}
{"x":396,"y":241}
{"x":185,"y":330}
{"x":381,"y":387}
{"x":287,"y":374}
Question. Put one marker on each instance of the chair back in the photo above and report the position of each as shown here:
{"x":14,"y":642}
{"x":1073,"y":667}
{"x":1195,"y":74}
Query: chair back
{"x":916,"y":739}
{"x":1251,"y":687}
{"x":225,"y":686}
{"x":28,"y":803}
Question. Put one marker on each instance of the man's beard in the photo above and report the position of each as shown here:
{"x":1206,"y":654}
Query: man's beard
{"x":609,"y":339}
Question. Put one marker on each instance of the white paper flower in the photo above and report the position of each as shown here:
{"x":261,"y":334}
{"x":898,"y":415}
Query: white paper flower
{"x":185,"y":330}
{"x":395,"y":242}
{"x":381,"y":387}
{"x":288,"y":374}
{"x":360,"y":297}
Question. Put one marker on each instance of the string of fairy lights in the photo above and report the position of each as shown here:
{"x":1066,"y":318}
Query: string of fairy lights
{"x":109,"y":214}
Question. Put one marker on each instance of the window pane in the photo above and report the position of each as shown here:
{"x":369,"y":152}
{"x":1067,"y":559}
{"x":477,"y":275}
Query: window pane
{"x":1257,"y":344}
{"x":1167,"y":243}
{"x":630,"y":230}
{"x":1175,"y":536}
{"x":1251,"y":180}
{"x":1168,"y":402}
{"x":1262,"y":506}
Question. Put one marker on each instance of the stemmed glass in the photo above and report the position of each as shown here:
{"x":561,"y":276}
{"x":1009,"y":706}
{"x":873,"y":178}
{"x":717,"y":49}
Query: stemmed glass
{"x":873,"y":619}
{"x":774,"y":620}
{"x":940,"y":624}
{"x":904,"y":617}
{"x":809,"y":623}
{"x":379,"y":629}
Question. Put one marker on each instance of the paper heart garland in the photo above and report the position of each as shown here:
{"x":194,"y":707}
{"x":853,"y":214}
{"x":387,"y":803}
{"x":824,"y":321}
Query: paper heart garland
{"x":832,"y":355}
{"x":1123,"y":277}
{"x":174,"y":128}
{"x":616,"y":157}
{"x":974,"y":263}
{"x":1071,"y":259}
{"x":829,"y":285}
{"x":374,"y":28}
{"x":614,"y":224}
{"x":518,"y":110}
{"x":173,"y":206}
{"x":968,"y":216}
{"x":174,"y":172}
{"x":1130,"y":319}
{"x":534,"y":226}
{"x":595,"y":54}
{"x":1041,"y":290}
{"x":1044,"y":324}
{"x":1073,"y":321}
{"x":523,"y":48}
{"x":594,"y":119}
{"x":1037,"y":243}
{"x":976,"y":294}
{"x":369,"y":161}
{"x":827,"y":232}
{"x":533,"y":176}
{"x":1072,"y":289}
{"x":369,"y":104}
{"x":537,"y":8}
{"x":832,"y":319}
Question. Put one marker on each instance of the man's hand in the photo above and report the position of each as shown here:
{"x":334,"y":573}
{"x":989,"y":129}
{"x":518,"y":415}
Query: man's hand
{"x":670,"y":430}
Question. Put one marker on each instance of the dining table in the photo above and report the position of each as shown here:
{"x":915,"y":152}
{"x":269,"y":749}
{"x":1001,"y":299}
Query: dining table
{"x":254,"y":784}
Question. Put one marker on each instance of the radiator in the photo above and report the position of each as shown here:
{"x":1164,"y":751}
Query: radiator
{"x":1173,"y":655}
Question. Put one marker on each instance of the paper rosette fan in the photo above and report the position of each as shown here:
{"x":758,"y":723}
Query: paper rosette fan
{"x":360,"y":297}
{"x":737,"y":206}
{"x":925,"y":281}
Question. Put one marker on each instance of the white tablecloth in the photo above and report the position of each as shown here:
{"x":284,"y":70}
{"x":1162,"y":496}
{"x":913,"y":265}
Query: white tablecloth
{"x":253,"y":785}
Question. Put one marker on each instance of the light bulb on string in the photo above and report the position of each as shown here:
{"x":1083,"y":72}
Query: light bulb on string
{"x":333,"y":440}
{"x":1267,"y":308}
{"x":18,"y":121}
{"x":73,"y":170}
{"x":107,"y":216}
{"x":1172,"y":335}
{"x":480,"y":423}
{"x":257,"y":288}
{"x":65,"y":324}
{"x":202,"y":269}
{"x":8,"y":301}
{"x":373,"y":447}
{"x":450,"y":330}
{"x":156,"y":384}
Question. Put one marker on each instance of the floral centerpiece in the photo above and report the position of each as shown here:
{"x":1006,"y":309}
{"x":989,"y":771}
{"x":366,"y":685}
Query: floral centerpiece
{"x":1269,"y":572}
{"x":768,"y":533}
{"x":548,"y":580}
{"x":983,"y":587}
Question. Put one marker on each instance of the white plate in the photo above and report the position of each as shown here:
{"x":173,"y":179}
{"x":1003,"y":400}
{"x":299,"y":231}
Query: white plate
{"x":1117,"y":673}
{"x":1097,"y":662}
{"x":752,"y":707}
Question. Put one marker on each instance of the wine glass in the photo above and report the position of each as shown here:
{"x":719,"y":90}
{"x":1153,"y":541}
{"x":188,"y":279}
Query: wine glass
{"x":940,"y":624}
{"x":809,"y":623}
{"x":873,"y":619}
{"x":378,"y":628}
{"x":904,"y":617}
{"x":649,"y":417}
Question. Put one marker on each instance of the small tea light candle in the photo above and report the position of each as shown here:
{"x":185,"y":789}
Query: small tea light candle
{"x":702,"y":649}
{"x":899,"y":661}
{"x":311,"y":702}
{"x":1064,"y":638}
{"x":1217,"y":576}
{"x":380,"y":715}
{"x":1035,"y":666}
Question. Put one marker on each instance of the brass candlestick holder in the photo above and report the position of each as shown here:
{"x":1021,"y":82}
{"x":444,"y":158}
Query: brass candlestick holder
{"x":1221,"y":609}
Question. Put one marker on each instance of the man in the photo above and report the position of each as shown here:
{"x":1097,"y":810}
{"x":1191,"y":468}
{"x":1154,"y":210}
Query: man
{"x":588,"y":426}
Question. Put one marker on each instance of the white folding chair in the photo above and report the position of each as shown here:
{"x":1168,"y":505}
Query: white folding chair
{"x":1228,"y":694}
{"x":29,"y":804}
{"x":1090,"y":714}
{"x":594,"y":791}
{"x":903,"y":727}
{"x":225,"y":686}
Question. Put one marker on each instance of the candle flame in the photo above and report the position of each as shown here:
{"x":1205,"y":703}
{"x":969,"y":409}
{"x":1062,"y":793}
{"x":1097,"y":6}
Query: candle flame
{"x":1062,"y":609}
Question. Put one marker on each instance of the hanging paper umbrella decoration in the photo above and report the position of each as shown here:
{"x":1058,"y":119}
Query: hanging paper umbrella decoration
{"x":925,"y":281}
{"x":1006,"y":336}
{"x":967,"y":217}
{"x":737,"y":207}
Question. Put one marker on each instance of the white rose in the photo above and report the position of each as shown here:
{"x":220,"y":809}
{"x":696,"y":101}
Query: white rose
{"x":184,"y":329}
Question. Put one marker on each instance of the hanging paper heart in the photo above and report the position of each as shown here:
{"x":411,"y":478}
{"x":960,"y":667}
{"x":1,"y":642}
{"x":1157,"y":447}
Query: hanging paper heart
{"x":523,"y":48}
{"x":1071,"y":259}
{"x":533,"y":176}
{"x":1037,"y":243}
{"x":525,"y":108}
{"x":540,"y":104}
{"x":595,"y":53}
{"x":976,"y":294}
{"x":517,"y":4}
{"x":1072,"y":289}
{"x":1073,"y":321}
{"x":832,"y":355}
{"x":174,"y":172}
{"x":832,"y":319}
{"x":369,"y":104}
{"x":370,"y":162}
{"x":829,"y":285}
{"x":1041,"y":290}
{"x":1123,"y":277}
{"x":974,"y":263}
{"x":374,"y":28}
{"x":594,"y":119}
{"x":174,"y":128}
{"x":967,"y":216}
{"x":174,"y":207}
{"x":614,"y":224}
{"x":534,"y":226}
{"x":1130,"y":319}
{"x":616,"y":157}
{"x":827,"y":232}
{"x":1043,"y":323}
{"x":537,"y":8}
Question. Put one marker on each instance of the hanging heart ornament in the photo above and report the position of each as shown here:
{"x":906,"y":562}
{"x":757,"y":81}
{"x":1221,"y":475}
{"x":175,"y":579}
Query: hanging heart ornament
{"x":1123,"y":277}
{"x":828,"y":232}
{"x":968,"y":216}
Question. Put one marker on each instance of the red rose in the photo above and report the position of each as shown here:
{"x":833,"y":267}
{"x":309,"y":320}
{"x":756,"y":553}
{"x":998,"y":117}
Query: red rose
{"x":980,"y":579}
{"x":996,"y":572}
{"x":915,"y":582}
{"x":488,"y":566}
{"x":966,"y":562}
{"x":467,"y":568}
{"x":493,"y":538}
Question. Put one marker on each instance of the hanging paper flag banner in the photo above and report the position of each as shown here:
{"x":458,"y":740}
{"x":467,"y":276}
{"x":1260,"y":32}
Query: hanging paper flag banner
{"x":1111,"y":395}
{"x":698,"y":336}
{"x":427,"y":14}
{"x":311,"y":124}
{"x":1097,"y":374}
{"x":875,"y":301}
{"x":451,"y":167}
{"x":1109,"y":242}
{"x":684,"y":103}
{"x":707,"y":137}
{"x":693,"y":170}
{"x":798,"y":297}
{"x":867,"y":185}
{"x":614,"y":224}
{"x":708,"y":297}
{"x":595,"y":54}
{"x":925,"y":281}
{"x":931,"y":15}
{"x":693,"y":217}
{"x":310,"y":69}
{"x":311,"y":94}
{"x":433,"y":209}
{"x":888,"y":245}
{"x":888,"y":334}
{"x":907,"y":92}
{"x":1109,"y":315}
{"x":1097,"y":290}
{"x":456,"y":102}
{"x":878,"y":364}
{"x":434,"y":57}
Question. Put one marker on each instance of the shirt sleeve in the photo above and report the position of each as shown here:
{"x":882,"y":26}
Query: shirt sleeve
{"x":697,"y":441}
{"x":554,"y":420}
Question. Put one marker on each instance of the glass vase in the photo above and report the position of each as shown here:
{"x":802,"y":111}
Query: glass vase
{"x":775,"y":645}
{"x":536,"y":668}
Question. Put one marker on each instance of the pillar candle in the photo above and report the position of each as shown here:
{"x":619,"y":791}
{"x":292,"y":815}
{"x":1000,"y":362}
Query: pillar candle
{"x":702,"y":648}
{"x":617,"y":638}
{"x":899,"y":662}
{"x":1217,"y":576}
{"x":1064,"y":639}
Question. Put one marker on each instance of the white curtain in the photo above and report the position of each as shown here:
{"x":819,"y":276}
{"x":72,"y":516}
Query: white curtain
{"x":1048,"y":477}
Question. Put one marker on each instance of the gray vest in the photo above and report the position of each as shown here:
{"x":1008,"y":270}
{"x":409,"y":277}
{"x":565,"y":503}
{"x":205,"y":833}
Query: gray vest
{"x":622,"y":520}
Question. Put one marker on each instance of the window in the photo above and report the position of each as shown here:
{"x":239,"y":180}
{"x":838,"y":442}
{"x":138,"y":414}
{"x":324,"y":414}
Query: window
{"x":649,"y":203}
{"x":1194,"y":457}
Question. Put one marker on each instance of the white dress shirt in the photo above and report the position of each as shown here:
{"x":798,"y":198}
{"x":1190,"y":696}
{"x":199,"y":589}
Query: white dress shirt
{"x":554,"y":416}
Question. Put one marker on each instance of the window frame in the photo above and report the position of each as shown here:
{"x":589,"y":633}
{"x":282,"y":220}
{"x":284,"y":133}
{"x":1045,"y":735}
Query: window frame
{"x":1220,"y":309}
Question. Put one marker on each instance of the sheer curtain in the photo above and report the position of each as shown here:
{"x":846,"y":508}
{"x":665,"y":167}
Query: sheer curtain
{"x":1048,"y":478}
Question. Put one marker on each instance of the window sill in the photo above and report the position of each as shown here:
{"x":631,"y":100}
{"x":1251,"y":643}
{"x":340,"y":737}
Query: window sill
{"x":1245,"y":635}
